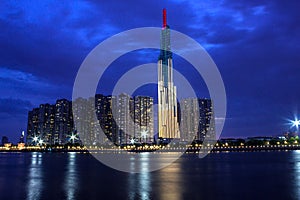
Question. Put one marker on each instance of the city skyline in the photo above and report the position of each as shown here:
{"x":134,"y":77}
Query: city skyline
{"x":253,"y":44}
{"x":123,"y":119}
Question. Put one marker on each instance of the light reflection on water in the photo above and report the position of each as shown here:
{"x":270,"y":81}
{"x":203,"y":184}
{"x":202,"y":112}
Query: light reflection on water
{"x":171,"y":182}
{"x":296,"y":155}
{"x":254,"y":175}
{"x":34,"y":186}
{"x":139,"y":184}
{"x":70,"y":185}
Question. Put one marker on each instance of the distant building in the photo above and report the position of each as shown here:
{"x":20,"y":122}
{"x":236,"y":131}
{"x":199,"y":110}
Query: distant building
{"x":206,"y":120}
{"x":41,"y":123}
{"x":143,"y":119}
{"x":121,"y":118}
{"x":4,"y":140}
{"x":189,"y":124}
{"x":197,"y":119}
{"x":87,"y":124}
{"x":104,"y":110}
{"x":51,"y":124}
{"x":63,"y":125}
{"x":123,"y":113}
{"x":22,"y":137}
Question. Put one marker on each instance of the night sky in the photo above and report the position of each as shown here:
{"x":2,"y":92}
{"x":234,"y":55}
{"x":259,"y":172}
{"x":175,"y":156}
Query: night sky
{"x":255,"y":45}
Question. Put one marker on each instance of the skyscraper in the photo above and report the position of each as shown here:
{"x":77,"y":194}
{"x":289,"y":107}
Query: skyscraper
{"x":143,"y":119}
{"x":41,"y":123}
{"x":104,"y":110}
{"x":167,"y":101}
{"x":124,"y":111}
{"x":63,"y":121}
{"x":50,"y":123}
{"x":206,"y":120}
{"x":189,"y":123}
{"x":197,"y":119}
{"x":87,"y":123}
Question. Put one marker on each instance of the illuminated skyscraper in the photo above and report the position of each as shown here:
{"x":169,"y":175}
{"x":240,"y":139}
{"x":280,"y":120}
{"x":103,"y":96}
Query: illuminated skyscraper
{"x":197,"y":119}
{"x":104,"y":110}
{"x":206,"y":120}
{"x":143,"y":119}
{"x":124,"y":111}
{"x":63,"y":126}
{"x":167,"y":101}
{"x":50,"y":123}
{"x":41,"y":123}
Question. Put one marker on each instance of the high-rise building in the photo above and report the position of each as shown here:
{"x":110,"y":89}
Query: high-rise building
{"x":63,"y":121}
{"x":41,"y":124}
{"x":167,"y":99}
{"x":87,"y":125}
{"x":189,"y":119}
{"x":123,"y":118}
{"x":51,"y":124}
{"x":143,"y":119}
{"x":46,"y":122}
{"x":124,"y":114}
{"x":197,"y":119}
{"x":207,"y":120}
{"x":104,"y":110}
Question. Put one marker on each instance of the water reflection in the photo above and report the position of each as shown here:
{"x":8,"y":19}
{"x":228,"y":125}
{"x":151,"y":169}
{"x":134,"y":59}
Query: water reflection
{"x":71,"y":177}
{"x":296,"y":155}
{"x":139,"y":183}
{"x":171,"y":182}
{"x":34,"y":186}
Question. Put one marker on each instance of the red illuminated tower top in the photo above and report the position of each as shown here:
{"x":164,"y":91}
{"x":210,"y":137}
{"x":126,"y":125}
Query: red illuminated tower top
{"x":164,"y":18}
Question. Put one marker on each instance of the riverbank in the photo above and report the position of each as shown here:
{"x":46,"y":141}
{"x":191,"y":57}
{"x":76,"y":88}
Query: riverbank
{"x":191,"y":149}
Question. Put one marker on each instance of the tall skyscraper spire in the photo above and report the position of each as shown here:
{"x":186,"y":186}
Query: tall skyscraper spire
{"x":164,"y":18}
{"x":167,"y":99}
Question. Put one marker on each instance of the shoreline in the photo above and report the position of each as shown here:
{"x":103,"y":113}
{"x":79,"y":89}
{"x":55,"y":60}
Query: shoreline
{"x":163,"y":150}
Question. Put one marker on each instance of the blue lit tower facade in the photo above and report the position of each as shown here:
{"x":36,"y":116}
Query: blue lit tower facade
{"x":167,"y":101}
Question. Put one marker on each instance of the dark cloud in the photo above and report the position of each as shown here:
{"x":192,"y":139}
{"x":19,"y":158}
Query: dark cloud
{"x":14,"y":107}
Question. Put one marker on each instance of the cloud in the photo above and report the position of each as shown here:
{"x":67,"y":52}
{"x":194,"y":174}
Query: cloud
{"x":14,"y":107}
{"x":22,"y":85}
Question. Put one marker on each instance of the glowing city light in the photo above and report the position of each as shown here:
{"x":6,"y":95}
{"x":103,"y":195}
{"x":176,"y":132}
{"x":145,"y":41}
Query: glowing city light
{"x":73,"y":138}
{"x":295,"y":122}
{"x":144,"y":133}
{"x":132,"y":141}
{"x":41,"y":142}
{"x":35,"y":138}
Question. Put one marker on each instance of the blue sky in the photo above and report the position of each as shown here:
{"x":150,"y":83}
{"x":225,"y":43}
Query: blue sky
{"x":255,"y":45}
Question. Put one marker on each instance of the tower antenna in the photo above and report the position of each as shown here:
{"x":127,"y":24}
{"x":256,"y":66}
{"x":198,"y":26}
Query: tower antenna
{"x":164,"y":18}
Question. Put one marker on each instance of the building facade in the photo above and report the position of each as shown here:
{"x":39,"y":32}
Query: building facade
{"x":168,"y":126}
{"x":51,"y":124}
{"x":104,"y":110}
{"x":63,"y":125}
{"x":143,"y":119}
{"x":206,"y":120}
{"x":197,"y":119}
